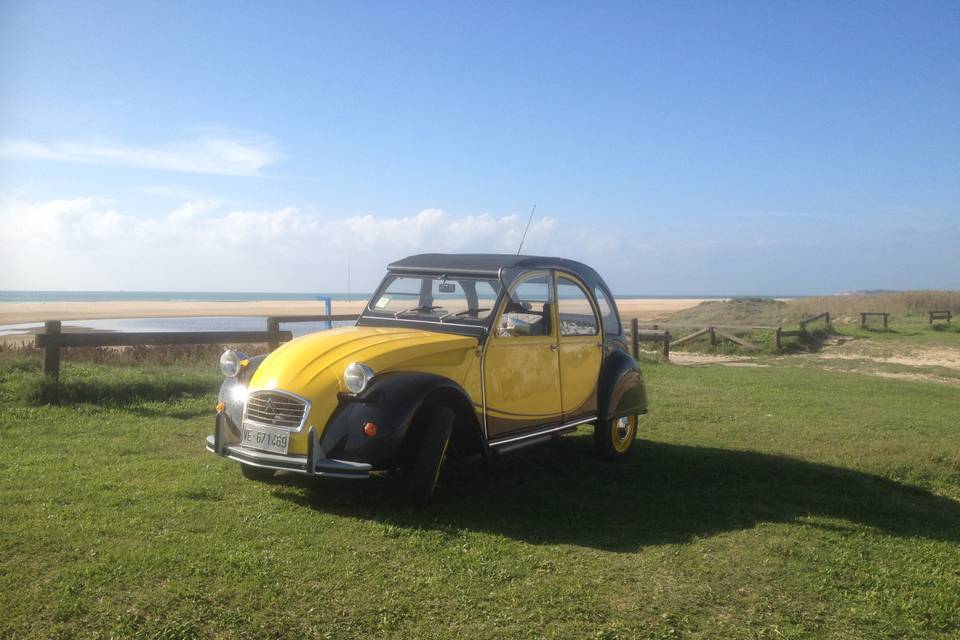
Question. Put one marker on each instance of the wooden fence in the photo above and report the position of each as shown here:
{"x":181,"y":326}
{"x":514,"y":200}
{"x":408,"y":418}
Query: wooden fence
{"x":714,"y":333}
{"x":52,"y":340}
{"x":865,"y":314}
{"x":780,"y":334}
{"x":638,"y":335}
{"x":946,"y":314}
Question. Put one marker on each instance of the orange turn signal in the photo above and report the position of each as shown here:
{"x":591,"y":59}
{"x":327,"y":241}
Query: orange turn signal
{"x":369,"y":429}
{"x":220,"y":407}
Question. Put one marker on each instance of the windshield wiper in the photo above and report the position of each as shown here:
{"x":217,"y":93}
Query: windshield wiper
{"x":461,"y":313}
{"x":425,"y":307}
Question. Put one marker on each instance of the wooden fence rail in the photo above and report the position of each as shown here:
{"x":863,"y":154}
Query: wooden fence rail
{"x":638,"y":335}
{"x":865,"y":314}
{"x":713,"y":332}
{"x":728,"y":332}
{"x":52,"y":340}
{"x":946,"y":314}
{"x":825,"y":316}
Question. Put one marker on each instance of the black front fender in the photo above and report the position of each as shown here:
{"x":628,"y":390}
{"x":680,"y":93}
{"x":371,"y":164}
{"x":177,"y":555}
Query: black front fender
{"x":390,"y":402}
{"x":621,"y":389}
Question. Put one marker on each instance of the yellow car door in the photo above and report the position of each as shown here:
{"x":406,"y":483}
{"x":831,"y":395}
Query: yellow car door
{"x":521,"y":362}
{"x":581,"y":349}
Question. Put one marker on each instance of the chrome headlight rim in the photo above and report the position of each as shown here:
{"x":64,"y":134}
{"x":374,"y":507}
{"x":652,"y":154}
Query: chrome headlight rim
{"x":231,"y":363}
{"x":356,"y":377}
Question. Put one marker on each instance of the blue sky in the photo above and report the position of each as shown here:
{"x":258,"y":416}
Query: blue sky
{"x":700,"y":147}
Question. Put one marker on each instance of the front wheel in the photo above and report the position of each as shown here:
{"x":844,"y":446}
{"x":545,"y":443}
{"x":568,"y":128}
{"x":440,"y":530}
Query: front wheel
{"x":614,"y":437}
{"x":425,"y":470}
{"x":256,"y":473}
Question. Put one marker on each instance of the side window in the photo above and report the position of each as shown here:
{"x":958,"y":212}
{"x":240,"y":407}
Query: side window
{"x":527,"y":311}
{"x":576,"y":312}
{"x":611,"y":323}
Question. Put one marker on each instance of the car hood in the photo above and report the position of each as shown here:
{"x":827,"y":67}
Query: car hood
{"x":312,"y":366}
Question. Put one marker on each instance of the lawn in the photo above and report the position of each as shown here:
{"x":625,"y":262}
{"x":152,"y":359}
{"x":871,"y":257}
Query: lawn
{"x":761,"y":502}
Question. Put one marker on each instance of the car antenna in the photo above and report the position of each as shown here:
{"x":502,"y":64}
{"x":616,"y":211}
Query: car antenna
{"x":527,"y":228}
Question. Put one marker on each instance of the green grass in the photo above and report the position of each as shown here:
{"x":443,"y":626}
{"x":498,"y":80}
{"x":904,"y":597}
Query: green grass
{"x":905,"y":330}
{"x":908,"y":322}
{"x":902,"y":332}
{"x":761,"y":502}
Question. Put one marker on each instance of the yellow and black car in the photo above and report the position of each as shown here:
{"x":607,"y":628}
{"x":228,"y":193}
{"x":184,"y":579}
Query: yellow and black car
{"x":453,"y":356}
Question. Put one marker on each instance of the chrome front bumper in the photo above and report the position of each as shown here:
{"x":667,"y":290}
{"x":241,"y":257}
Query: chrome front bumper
{"x":315,"y":463}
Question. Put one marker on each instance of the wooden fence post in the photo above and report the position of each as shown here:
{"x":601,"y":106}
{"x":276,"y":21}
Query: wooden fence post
{"x":863,"y":320}
{"x":885,"y":315}
{"x":635,"y":338}
{"x":273,"y":325}
{"x":666,"y":347}
{"x":51,"y":355}
{"x":713,"y":337}
{"x":777,"y":340}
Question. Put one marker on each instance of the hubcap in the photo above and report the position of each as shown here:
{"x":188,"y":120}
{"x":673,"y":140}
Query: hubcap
{"x":623,"y":427}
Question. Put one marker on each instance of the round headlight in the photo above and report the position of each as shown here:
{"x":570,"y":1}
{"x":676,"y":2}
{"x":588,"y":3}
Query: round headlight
{"x":356,"y":377}
{"x":230,"y":363}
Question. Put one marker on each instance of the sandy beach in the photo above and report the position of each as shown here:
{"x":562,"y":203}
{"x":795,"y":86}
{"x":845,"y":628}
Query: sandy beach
{"x":24,"y":312}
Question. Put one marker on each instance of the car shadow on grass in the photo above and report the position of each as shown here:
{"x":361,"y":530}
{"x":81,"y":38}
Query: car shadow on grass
{"x":665,"y":493}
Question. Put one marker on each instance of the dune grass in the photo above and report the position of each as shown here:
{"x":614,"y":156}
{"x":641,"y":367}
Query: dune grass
{"x":908,"y":322}
{"x":760,"y":503}
{"x":901,"y":303}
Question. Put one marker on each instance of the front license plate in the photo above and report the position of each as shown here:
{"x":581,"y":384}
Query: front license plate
{"x":266,"y":439}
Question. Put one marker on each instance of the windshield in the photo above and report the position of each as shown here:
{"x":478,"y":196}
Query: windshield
{"x":436,"y":298}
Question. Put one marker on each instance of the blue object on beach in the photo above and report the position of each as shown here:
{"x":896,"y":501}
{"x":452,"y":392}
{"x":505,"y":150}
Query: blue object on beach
{"x":327,"y":308}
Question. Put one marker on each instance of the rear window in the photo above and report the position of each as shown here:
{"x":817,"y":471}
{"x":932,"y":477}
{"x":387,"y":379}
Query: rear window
{"x":608,"y":312}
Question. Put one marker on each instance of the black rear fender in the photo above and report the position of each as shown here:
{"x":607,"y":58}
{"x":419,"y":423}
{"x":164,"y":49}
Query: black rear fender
{"x":621,"y":389}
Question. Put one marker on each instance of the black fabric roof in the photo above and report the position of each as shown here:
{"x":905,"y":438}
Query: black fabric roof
{"x":489,"y":264}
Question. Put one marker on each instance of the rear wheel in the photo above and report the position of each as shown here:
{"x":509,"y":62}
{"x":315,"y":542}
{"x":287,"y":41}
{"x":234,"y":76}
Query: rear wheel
{"x":429,"y":457}
{"x":614,"y":437}
{"x":256,"y":473}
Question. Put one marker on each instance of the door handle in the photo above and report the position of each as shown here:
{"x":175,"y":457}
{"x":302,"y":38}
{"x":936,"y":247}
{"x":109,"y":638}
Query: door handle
{"x":554,"y":347}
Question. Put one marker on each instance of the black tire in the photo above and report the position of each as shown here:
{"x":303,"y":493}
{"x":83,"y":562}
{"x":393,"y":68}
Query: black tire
{"x":256,"y":473}
{"x":614,"y":438}
{"x":428,"y":459}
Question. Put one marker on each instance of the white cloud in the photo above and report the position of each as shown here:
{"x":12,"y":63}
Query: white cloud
{"x":221,"y":155}
{"x":201,"y":245}
{"x":87,"y":243}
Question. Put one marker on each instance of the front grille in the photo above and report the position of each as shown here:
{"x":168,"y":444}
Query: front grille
{"x":275,"y":409}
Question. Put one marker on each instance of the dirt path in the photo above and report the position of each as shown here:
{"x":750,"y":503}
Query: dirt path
{"x":694,"y":359}
{"x":947,"y":357}
{"x":846,"y":355}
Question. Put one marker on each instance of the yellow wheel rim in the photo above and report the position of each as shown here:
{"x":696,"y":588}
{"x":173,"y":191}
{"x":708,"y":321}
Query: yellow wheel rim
{"x":622,"y":432}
